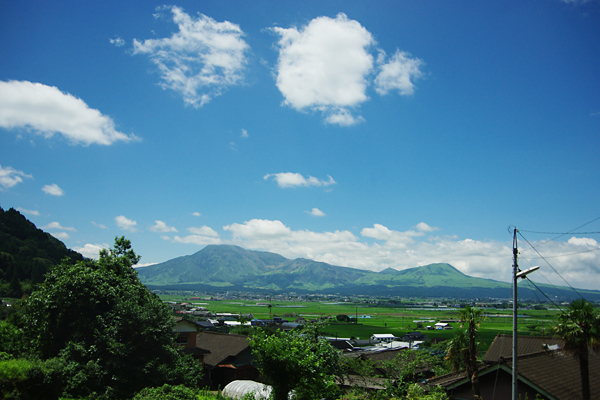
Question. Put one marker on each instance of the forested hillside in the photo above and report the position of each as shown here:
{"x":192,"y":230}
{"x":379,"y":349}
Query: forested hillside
{"x":26,"y":253}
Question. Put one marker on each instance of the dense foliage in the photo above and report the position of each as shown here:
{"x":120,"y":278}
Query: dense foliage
{"x":112,"y":336}
{"x":297,"y":360}
{"x":26,"y":253}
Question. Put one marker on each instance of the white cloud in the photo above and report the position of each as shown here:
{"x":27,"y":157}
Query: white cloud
{"x":199,"y":236}
{"x":316,"y":212}
{"x":423,"y":227}
{"x":53,"y":190}
{"x":60,"y":235}
{"x":196,"y":214}
{"x":203,"y":231}
{"x":117,"y":41}
{"x":325,"y":66}
{"x":9,"y":176}
{"x":258,"y":228}
{"x":291,"y":179}
{"x":160,"y":226}
{"x":91,"y":250}
{"x":583,"y":242}
{"x":126,"y":224}
{"x":199,"y":61}
{"x":28,"y":212}
{"x":46,"y":110}
{"x":56,"y":225}
{"x":398,"y":73}
{"x":244,"y":133}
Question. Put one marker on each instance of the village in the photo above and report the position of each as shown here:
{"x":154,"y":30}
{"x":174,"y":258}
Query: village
{"x":219,"y":341}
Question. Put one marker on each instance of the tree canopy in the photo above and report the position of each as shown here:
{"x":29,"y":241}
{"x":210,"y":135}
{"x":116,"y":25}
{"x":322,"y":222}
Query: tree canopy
{"x":113,"y":335}
{"x":299,"y":361}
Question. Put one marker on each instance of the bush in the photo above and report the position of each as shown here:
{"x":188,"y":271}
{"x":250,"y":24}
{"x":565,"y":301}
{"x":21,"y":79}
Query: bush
{"x":167,"y":392}
{"x":27,"y":379}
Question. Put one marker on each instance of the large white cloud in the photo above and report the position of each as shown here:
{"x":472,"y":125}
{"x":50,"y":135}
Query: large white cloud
{"x":293,"y":179}
{"x":200,"y":60}
{"x":325,"y":65}
{"x":46,"y":110}
{"x":9,"y":176}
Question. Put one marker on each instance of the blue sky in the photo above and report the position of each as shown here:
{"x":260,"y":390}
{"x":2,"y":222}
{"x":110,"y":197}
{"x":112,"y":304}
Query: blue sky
{"x":363,"y":134}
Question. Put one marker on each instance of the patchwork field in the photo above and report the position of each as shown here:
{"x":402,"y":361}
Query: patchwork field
{"x":372,"y":318}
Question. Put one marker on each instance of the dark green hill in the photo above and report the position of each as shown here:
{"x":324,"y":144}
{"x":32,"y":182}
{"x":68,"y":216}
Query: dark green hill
{"x":26,"y":253}
{"x":235,"y":268}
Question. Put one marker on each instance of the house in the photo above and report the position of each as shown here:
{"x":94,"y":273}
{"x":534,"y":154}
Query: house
{"x":229,"y":358}
{"x":443,"y":325}
{"x":382,"y":337}
{"x":543,"y":369}
{"x":186,"y":338}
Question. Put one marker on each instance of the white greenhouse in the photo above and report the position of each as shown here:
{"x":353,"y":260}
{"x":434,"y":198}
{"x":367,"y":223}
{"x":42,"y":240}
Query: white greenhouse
{"x":237,"y":389}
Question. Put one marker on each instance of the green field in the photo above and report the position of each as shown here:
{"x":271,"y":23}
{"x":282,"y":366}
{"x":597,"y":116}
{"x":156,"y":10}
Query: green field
{"x":381,"y":319}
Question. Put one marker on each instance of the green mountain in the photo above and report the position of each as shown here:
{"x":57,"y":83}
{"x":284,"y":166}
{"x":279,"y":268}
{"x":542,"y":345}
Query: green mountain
{"x":234,"y":268}
{"x":26,"y":253}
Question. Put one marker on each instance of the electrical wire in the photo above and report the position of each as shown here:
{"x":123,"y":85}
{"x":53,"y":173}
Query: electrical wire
{"x":550,"y":265}
{"x":567,"y":233}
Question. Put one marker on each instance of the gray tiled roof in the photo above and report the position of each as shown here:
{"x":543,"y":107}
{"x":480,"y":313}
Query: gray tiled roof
{"x":502,"y":346}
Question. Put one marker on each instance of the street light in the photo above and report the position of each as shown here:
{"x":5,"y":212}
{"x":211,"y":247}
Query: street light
{"x":516,"y":274}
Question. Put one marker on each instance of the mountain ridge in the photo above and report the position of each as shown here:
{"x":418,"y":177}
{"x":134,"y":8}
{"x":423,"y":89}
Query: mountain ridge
{"x":232,"y":267}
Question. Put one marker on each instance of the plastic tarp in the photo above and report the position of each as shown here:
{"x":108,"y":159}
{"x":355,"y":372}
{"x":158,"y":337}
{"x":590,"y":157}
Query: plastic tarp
{"x":237,"y":389}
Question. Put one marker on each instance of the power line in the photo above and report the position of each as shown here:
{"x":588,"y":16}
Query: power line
{"x":561,"y":233}
{"x":550,"y":265}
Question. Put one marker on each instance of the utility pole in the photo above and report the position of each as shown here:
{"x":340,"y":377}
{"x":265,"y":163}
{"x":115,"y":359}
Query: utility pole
{"x":516,"y":275}
{"x":514,"y":343}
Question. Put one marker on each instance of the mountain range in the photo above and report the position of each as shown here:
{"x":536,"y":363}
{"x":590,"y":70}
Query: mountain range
{"x":232,"y":268}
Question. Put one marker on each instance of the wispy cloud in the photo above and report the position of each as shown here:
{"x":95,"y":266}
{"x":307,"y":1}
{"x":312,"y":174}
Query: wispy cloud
{"x":244,"y":133}
{"x":196,"y":214}
{"x":200,"y":236}
{"x":160,"y":226}
{"x":53,"y":190}
{"x":56,"y":225}
{"x":201,"y":60}
{"x":126,"y":224}
{"x":117,"y":41}
{"x":46,"y":110}
{"x":60,"y":235}
{"x":28,"y":212}
{"x":101,"y":226}
{"x":10,"y":177}
{"x":291,"y":179}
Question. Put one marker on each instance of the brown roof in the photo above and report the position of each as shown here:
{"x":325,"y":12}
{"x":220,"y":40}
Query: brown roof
{"x":558,"y":373}
{"x":501,"y":347}
{"x":223,"y":347}
{"x":552,"y":373}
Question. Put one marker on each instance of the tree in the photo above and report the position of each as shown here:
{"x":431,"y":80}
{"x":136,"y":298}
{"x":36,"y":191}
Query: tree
{"x":579,"y":327}
{"x":457,"y":352}
{"x":299,"y":361}
{"x":471,"y":317}
{"x":113,"y":336}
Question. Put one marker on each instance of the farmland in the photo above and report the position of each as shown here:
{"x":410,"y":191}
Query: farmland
{"x":380,"y":317}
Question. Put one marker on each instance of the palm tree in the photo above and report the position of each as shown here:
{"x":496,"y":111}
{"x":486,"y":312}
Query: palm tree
{"x":457,"y":352}
{"x":579,"y":327}
{"x":471,"y":317}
